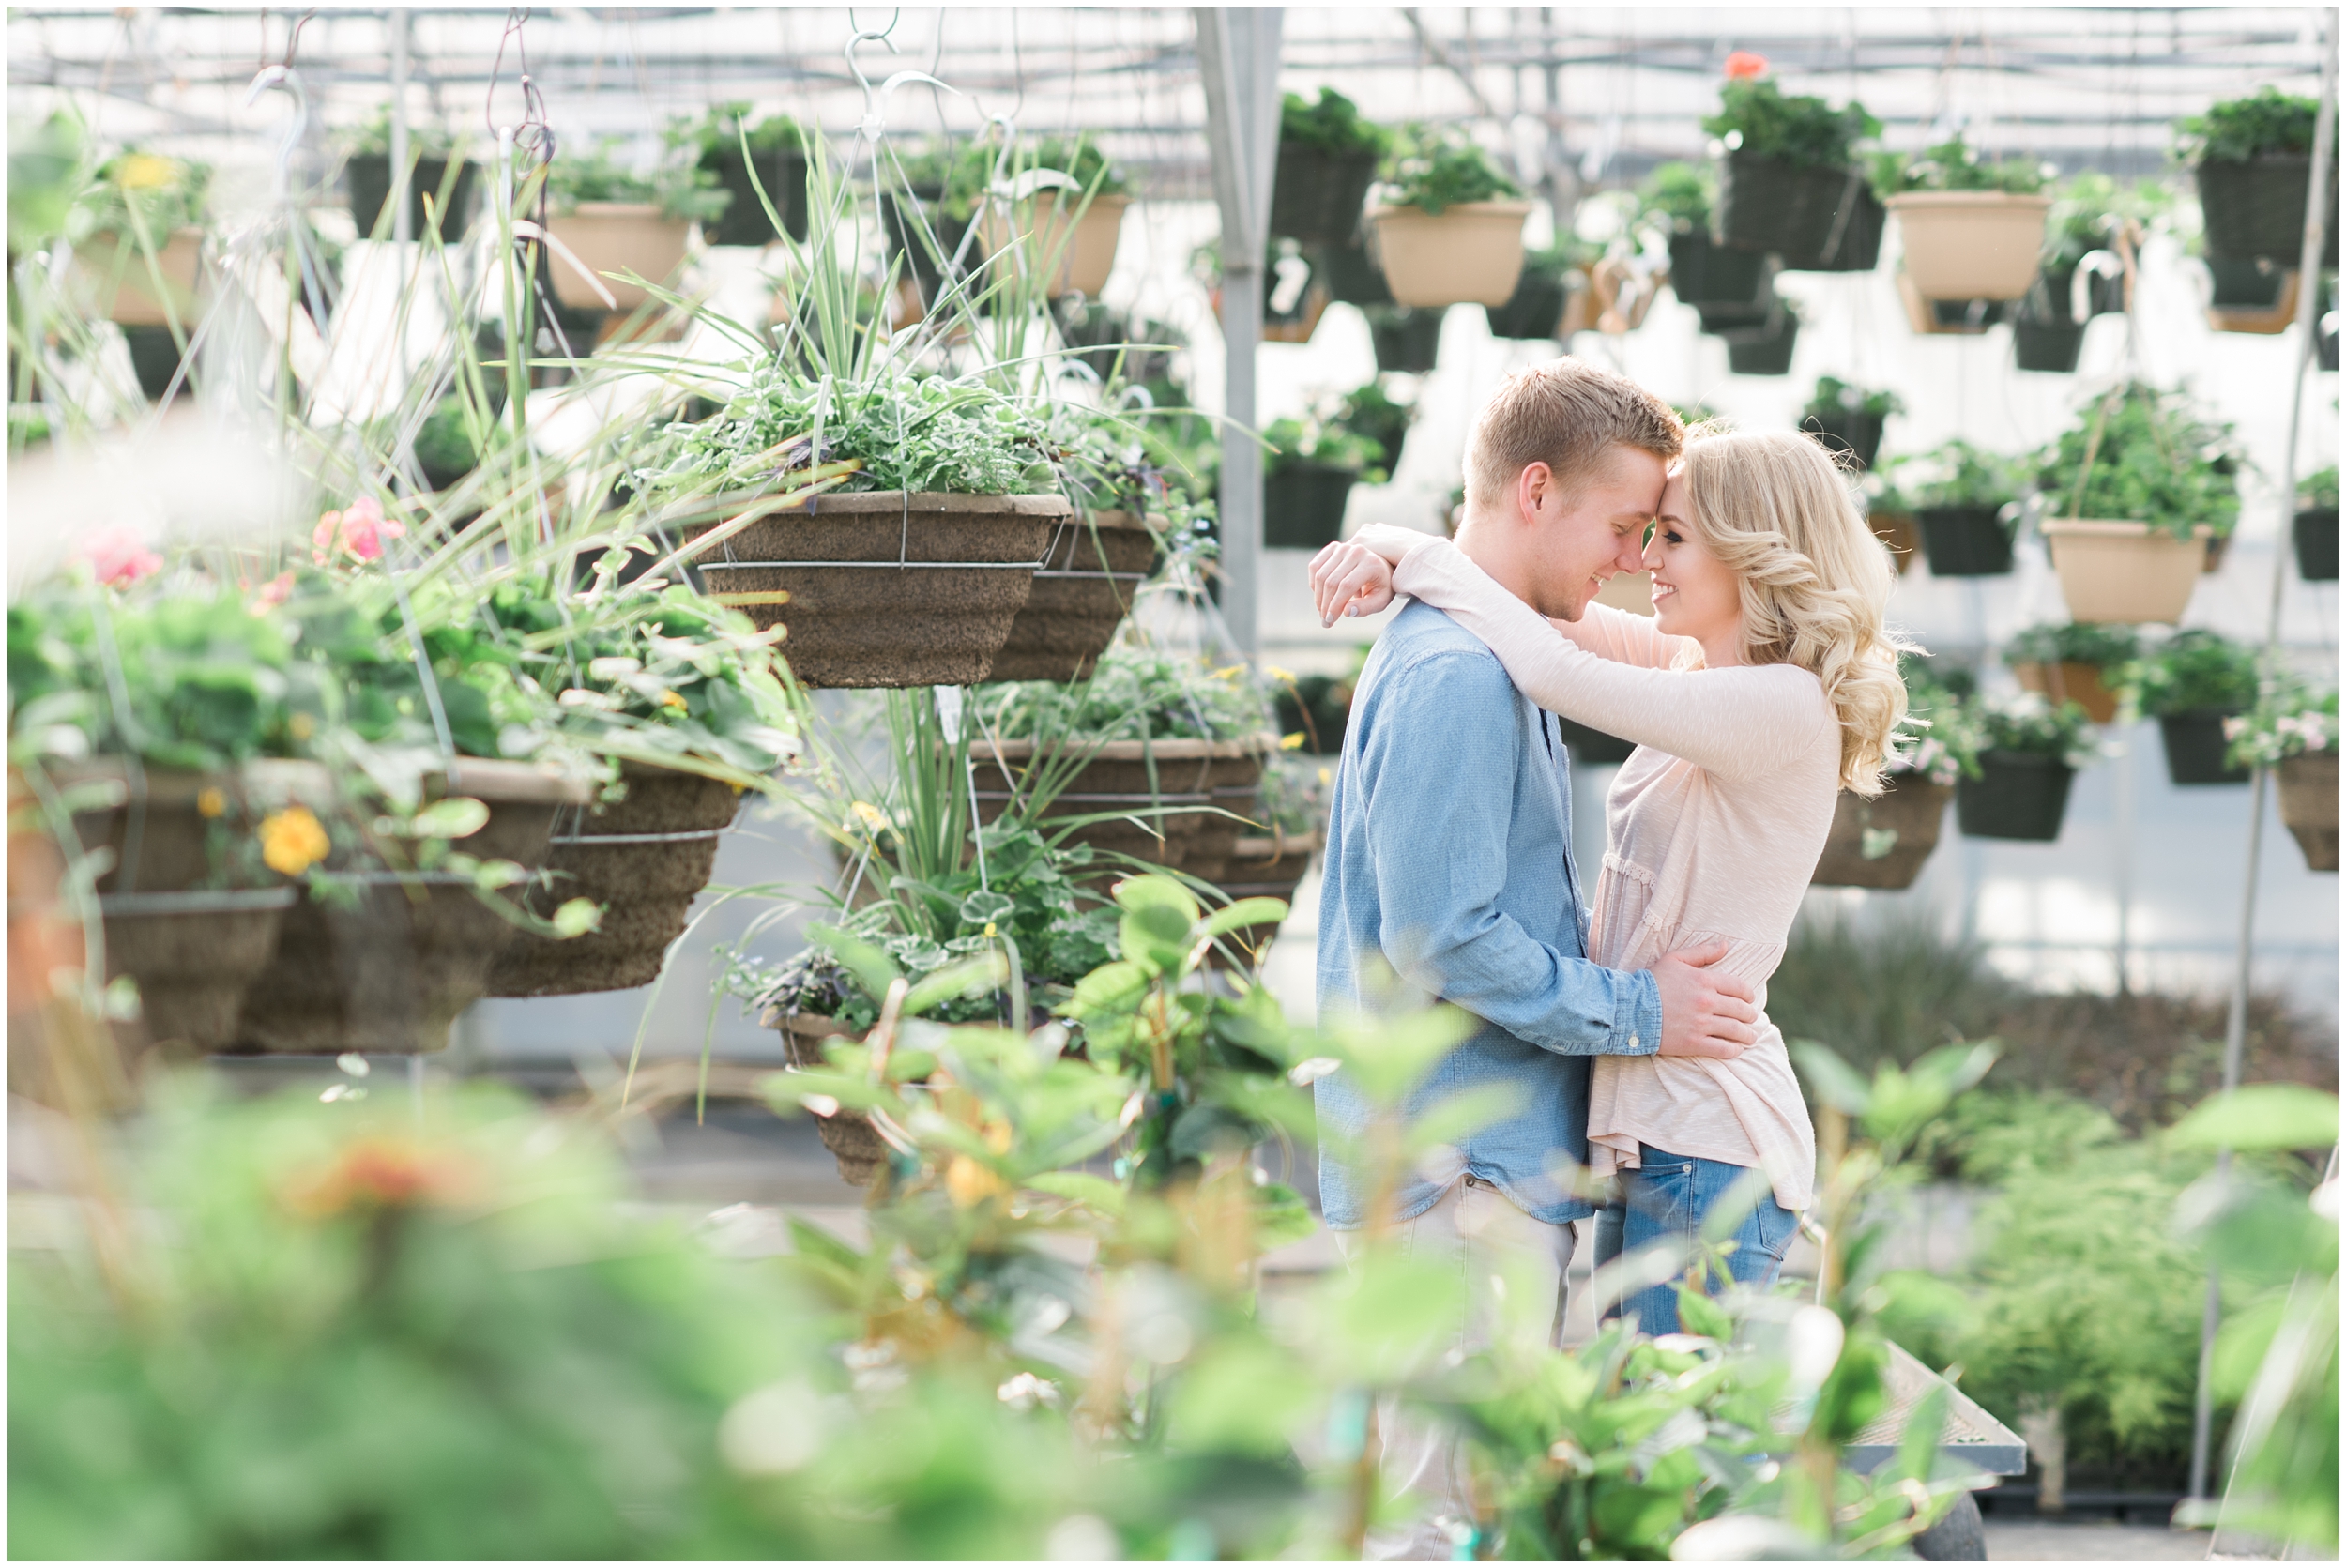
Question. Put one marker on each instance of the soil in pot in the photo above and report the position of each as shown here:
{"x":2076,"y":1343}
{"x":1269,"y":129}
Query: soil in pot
{"x":2195,"y":748}
{"x":2256,"y":210}
{"x":2124,"y":573}
{"x":2310,"y":805}
{"x":1317,"y":197}
{"x":370,"y":193}
{"x":1269,"y":867}
{"x":1591,"y":746}
{"x":2070,"y":681}
{"x":1533,"y":313}
{"x":1882,"y":842}
{"x":644,"y":859}
{"x":2018,"y":795}
{"x":1855,"y":432}
{"x":858,"y":1150}
{"x":1304,"y":505}
{"x":881,"y":588}
{"x":782,"y":172}
{"x":2315,"y":532}
{"x":1762,"y":350}
{"x":1080,"y":597}
{"x":2047,"y":348}
{"x":1407,"y":340}
{"x":1964,"y":541}
{"x":1703,"y":274}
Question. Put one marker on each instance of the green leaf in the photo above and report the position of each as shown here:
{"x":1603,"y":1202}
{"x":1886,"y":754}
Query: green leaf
{"x":1156,"y":937}
{"x":457,"y":817}
{"x":981,"y":909}
{"x":1281,"y":1218}
{"x":872,"y":970}
{"x":1833,"y":1081}
{"x":1245,"y":912}
{"x":577,"y":916}
{"x":1108,"y":991}
{"x":1697,"y":1314}
{"x":1153,"y":891}
{"x":1095,"y":1193}
{"x":972,"y":976}
{"x":2262,"y":1116}
{"x":489,"y":875}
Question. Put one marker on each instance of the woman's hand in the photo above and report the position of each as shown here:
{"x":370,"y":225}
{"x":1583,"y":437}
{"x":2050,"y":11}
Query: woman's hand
{"x":1355,"y":577}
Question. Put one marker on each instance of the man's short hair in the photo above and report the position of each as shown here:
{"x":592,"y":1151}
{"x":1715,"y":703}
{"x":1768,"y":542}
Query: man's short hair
{"x":1568,"y":414}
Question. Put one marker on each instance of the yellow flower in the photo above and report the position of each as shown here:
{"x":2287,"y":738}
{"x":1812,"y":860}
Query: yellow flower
{"x":671,"y":699}
{"x":1274,"y":673}
{"x":1324,"y":777}
{"x":212,"y":803}
{"x":1229,"y":671}
{"x":989,"y":931}
{"x":1291,"y":743}
{"x":302,"y":725}
{"x":292,"y":841}
{"x":967,"y":1182}
{"x":144,"y":171}
{"x":875,"y":820}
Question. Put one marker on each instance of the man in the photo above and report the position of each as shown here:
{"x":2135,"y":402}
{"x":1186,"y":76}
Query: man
{"x":1449,"y":863}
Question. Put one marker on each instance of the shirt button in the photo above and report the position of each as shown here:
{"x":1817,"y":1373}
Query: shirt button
{"x":1635,"y":1043}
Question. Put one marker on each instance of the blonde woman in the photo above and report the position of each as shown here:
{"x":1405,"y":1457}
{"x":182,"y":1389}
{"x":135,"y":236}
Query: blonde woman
{"x":1765,"y":683}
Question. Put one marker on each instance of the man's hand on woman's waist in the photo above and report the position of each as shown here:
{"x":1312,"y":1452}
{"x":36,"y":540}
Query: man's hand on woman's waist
{"x":1704,"y":1013}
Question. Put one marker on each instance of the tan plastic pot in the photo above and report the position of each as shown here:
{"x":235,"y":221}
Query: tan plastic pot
{"x":121,"y":286}
{"x":2310,"y":805}
{"x":2070,"y":681}
{"x":1083,"y":245}
{"x":2260,"y":320}
{"x":1970,"y":244}
{"x":2124,"y":573}
{"x":613,"y":238}
{"x":1470,"y":254}
{"x":1882,"y":842}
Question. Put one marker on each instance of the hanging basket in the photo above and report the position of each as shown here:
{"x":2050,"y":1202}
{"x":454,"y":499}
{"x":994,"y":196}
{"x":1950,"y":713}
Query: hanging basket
{"x":1970,"y":244}
{"x":2018,"y":795}
{"x":2196,"y":745}
{"x":2314,"y":530}
{"x":1900,"y":534}
{"x":782,"y":172}
{"x":1707,"y":275}
{"x":1351,"y":274}
{"x":1166,"y":793}
{"x":1404,"y":340}
{"x":385,"y":964}
{"x":192,"y":956}
{"x":1079,"y":238}
{"x":1814,"y":219}
{"x":1535,"y":310}
{"x":1316,"y":196}
{"x":853,"y":1142}
{"x":1882,"y":842}
{"x":614,"y":238}
{"x":2251,"y":298}
{"x":1272,"y":867}
{"x":155,"y":361}
{"x":2070,"y":681}
{"x":1592,"y":747}
{"x":2047,"y":348}
{"x":2308,"y":784}
{"x":2124,"y":573}
{"x":882,"y":588}
{"x":1959,"y":319}
{"x":1302,"y":504}
{"x":643,"y":859}
{"x":1762,"y":350}
{"x":370,"y":193}
{"x":1851,"y":431}
{"x":2256,"y":210}
{"x":113,"y":273}
{"x":1080,"y":597}
{"x":1965,"y":541}
{"x":1470,"y":254}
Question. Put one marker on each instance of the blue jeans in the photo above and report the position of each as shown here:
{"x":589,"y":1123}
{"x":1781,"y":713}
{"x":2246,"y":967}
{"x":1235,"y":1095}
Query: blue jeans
{"x":1669,"y":1197}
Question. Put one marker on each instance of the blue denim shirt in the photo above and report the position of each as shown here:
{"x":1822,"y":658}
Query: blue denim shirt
{"x":1450,"y":859}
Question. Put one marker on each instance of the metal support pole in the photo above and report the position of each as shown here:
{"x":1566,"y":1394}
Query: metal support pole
{"x":403,"y":223}
{"x":2236,"y":1018}
{"x":1238,"y":60}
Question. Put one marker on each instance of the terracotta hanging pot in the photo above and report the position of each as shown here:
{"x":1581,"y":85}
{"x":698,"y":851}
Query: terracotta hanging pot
{"x":2310,"y":805}
{"x":2124,"y":573}
{"x":613,"y":238}
{"x":1882,"y":842}
{"x":1081,"y":595}
{"x":1468,"y":254}
{"x":2070,"y":681}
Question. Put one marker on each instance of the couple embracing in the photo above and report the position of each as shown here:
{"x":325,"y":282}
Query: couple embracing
{"x":1624,"y":1021}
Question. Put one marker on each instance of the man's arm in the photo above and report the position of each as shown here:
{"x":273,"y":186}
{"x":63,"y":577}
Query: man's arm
{"x":1437,"y":759}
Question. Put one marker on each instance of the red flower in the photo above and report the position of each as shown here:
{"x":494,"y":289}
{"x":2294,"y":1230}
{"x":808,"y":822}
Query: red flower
{"x":357,"y":532}
{"x":1743,"y":66}
{"x":118,"y":556}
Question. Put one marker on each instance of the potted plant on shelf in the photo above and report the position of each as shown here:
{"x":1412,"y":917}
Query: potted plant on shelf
{"x":1726,"y":287}
{"x":138,"y":239}
{"x":1968,"y":503}
{"x":1328,"y":157}
{"x":615,"y":220}
{"x":1883,"y":841}
{"x":1551,"y":298}
{"x":2019,"y":754}
{"x":1449,"y":228}
{"x":2075,"y":662}
{"x":1314,"y":463}
{"x":2193,"y":683}
{"x":1788,"y":178}
{"x":1971,"y":229}
{"x":2314,"y":528}
{"x":2252,"y":157}
{"x":2293,"y":730}
{"x":1847,"y":418}
{"x":439,"y":181}
{"x":758,"y":166}
{"x":2147,"y":483}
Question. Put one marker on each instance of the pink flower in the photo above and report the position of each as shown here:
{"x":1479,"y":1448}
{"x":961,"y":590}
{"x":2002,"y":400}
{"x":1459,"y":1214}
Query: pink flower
{"x":357,"y":532}
{"x":118,"y":556}
{"x":273,"y":592}
{"x":1743,"y":66}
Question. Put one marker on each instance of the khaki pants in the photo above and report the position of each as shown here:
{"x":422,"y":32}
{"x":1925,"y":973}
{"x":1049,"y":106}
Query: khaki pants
{"x":1491,"y":1239}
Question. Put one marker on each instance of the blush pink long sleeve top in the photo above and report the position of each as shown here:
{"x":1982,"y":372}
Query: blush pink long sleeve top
{"x":1713,"y":828}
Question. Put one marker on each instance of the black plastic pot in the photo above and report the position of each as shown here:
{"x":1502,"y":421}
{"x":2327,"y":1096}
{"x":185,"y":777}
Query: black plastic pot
{"x":1762,"y":350}
{"x":1816,"y":219}
{"x":1964,"y":541}
{"x":1406,"y":339}
{"x":1302,"y":504}
{"x":1317,"y":708}
{"x":155,"y":358}
{"x":1707,"y":275}
{"x":2018,"y":795}
{"x":744,"y":221}
{"x":1317,"y":197}
{"x":905,"y":238}
{"x":2047,"y":347}
{"x":1583,"y":744}
{"x":2050,"y":298}
{"x":371,"y":189}
{"x":2195,"y":747}
{"x":2246,"y":284}
{"x":1353,"y":278}
{"x":2327,"y":338}
{"x":2316,"y":533}
{"x":1535,"y":310}
{"x":2256,"y":209}
{"x":1967,"y":315}
{"x":1849,"y":430}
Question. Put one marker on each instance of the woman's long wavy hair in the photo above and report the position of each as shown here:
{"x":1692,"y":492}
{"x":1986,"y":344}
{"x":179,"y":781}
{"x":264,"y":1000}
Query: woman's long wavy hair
{"x":1773,"y":507}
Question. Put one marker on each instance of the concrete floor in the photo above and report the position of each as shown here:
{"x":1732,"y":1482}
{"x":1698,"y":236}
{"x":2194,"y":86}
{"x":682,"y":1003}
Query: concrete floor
{"x":2018,"y":1540}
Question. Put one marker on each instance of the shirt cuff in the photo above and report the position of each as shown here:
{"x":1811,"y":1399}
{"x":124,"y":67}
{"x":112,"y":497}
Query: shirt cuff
{"x":1638,"y":1032}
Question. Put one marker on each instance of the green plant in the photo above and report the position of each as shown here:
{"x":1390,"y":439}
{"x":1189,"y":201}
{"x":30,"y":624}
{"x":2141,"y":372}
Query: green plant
{"x":677,"y":186}
{"x":2268,"y":123}
{"x":1433,"y":169}
{"x":1952,"y":165}
{"x":1678,"y":197}
{"x":1756,"y":119}
{"x":372,"y":138}
{"x":1369,"y":410}
{"x":141,"y":196}
{"x":2319,"y":489}
{"x":1958,"y":474}
{"x":2289,"y":719}
{"x":2193,"y":670}
{"x":1836,"y":398}
{"x":1326,"y":443}
{"x":2095,"y":643}
{"x":2019,"y":722}
{"x":1332,"y":126}
{"x":2155,"y":459}
{"x":2088,"y":209}
{"x":723,"y":127}
{"x":1134,"y":693}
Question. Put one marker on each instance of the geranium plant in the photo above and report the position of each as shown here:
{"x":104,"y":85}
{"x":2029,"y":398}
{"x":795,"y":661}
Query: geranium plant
{"x":1756,"y":118}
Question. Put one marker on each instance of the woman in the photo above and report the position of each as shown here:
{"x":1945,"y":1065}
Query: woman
{"x":1764,"y":684}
